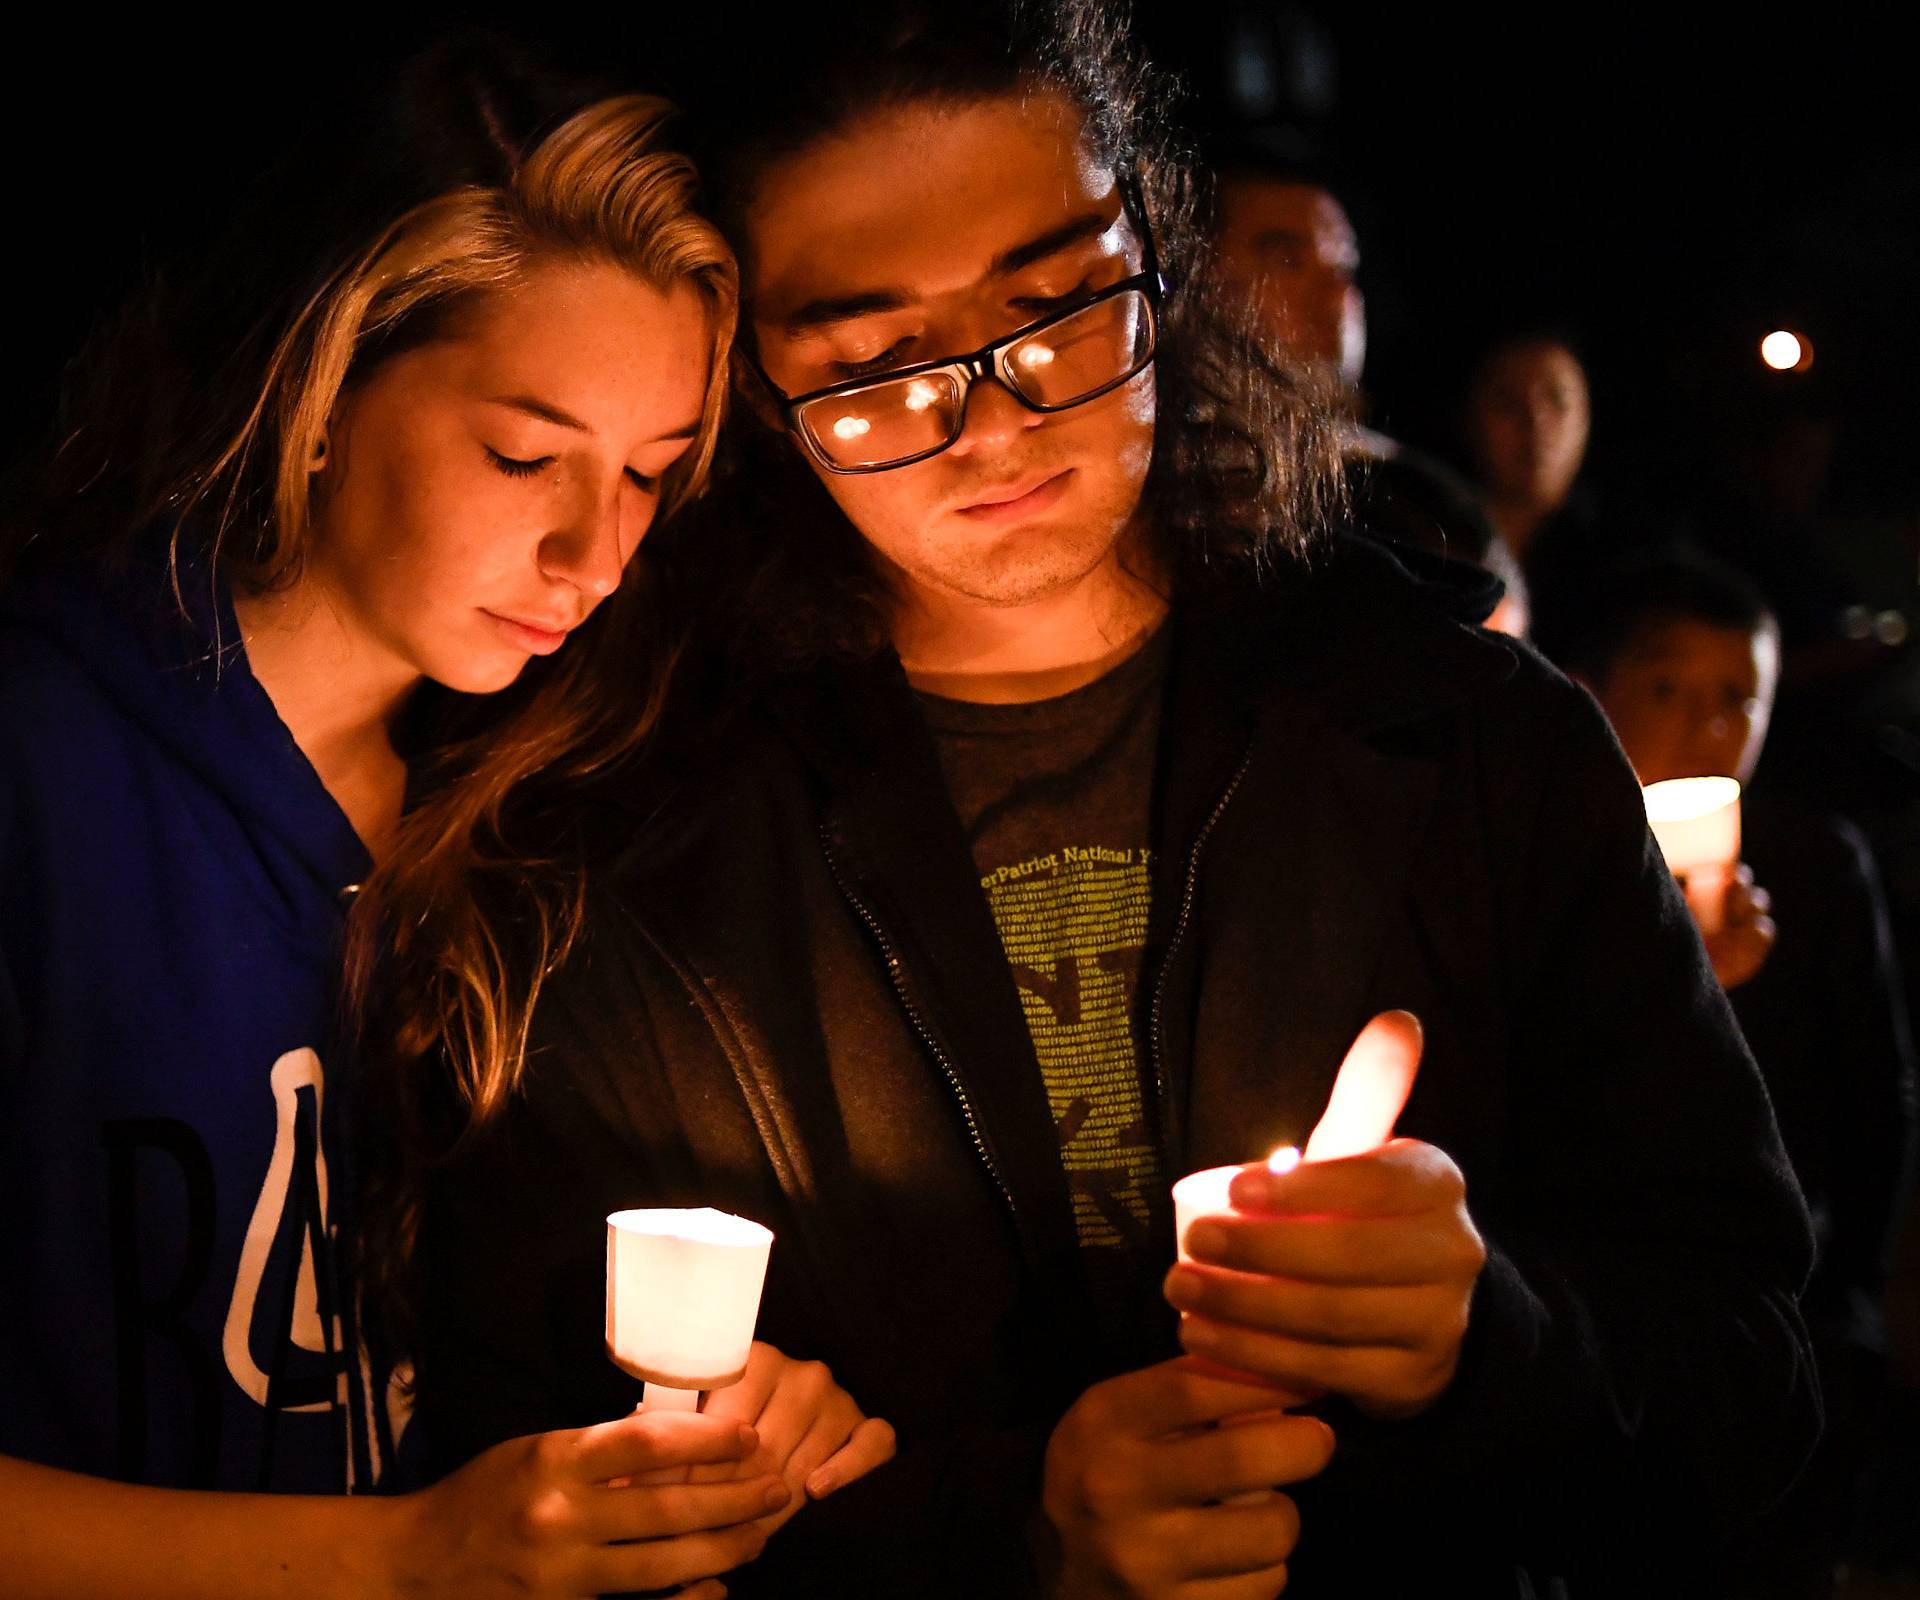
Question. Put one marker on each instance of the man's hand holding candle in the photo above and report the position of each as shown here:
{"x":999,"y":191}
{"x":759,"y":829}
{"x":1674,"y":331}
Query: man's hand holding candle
{"x":1349,"y":1276}
{"x":1697,"y":824}
{"x":1138,"y":1475}
{"x":812,"y":1435}
{"x":1739,"y":945}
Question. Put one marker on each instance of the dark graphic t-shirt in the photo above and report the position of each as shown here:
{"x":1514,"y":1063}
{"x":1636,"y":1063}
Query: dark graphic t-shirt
{"x":1055,"y":797}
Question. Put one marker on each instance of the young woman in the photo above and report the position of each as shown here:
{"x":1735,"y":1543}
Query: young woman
{"x":417,"y":458}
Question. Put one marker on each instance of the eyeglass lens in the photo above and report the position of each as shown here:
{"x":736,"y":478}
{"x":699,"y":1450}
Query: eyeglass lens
{"x":1052,"y":367}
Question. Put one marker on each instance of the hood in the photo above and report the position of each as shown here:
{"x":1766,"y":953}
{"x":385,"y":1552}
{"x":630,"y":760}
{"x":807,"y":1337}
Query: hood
{"x":182,"y":682}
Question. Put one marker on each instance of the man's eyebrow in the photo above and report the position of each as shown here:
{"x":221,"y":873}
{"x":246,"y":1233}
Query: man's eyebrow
{"x":829,"y":309}
{"x":1089,"y":226}
{"x":816,"y":314}
{"x":542,"y":410}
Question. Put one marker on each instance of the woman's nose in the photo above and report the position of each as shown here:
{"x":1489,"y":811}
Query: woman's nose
{"x":589,"y":552}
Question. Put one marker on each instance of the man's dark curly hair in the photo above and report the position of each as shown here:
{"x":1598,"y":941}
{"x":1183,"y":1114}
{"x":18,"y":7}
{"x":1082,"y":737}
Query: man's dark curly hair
{"x":1244,"y":470}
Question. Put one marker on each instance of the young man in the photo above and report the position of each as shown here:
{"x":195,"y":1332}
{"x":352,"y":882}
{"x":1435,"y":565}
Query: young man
{"x":1074,"y":810}
{"x":1684,"y":657}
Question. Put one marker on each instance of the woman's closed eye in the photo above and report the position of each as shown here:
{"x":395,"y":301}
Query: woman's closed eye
{"x":515,"y":468}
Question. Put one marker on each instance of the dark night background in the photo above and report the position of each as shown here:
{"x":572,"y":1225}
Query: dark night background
{"x":1670,"y":185}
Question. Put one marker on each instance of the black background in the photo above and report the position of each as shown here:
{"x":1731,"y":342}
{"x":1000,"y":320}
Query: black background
{"x":1671,"y":185}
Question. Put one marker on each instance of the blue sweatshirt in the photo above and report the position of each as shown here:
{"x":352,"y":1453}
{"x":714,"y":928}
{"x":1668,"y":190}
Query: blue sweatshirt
{"x":173,"y":882}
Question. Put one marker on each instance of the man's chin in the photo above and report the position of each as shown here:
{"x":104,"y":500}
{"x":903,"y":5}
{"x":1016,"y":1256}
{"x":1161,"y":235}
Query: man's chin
{"x":1013,"y":582}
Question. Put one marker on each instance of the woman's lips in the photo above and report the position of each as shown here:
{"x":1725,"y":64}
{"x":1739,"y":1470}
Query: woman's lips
{"x":1023,"y":498}
{"x":535,"y":640}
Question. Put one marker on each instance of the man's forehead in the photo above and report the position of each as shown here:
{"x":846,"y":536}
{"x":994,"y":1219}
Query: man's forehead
{"x":925,"y":199}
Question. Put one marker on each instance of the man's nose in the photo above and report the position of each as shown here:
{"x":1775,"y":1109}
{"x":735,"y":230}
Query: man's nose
{"x":994,"y":418}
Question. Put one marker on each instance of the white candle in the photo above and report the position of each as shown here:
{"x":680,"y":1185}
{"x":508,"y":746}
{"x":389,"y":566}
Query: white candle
{"x":683,"y":1294}
{"x":1200,"y":1194}
{"x":1697,"y":824}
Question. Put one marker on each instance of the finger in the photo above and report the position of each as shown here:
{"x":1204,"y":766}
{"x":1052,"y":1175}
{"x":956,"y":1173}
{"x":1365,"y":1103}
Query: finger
{"x":805,"y":1390}
{"x":1741,"y":877}
{"x":744,"y":1400}
{"x":872,"y":1445}
{"x":1382,"y":1376}
{"x":646,"y":1441}
{"x":828,"y":1433}
{"x":1401,"y":1315}
{"x":1377,"y":1253}
{"x":1235,"y":1541}
{"x":664,"y":1511}
{"x":1201,"y":1468}
{"x":1278,"y":1398}
{"x":657,"y":1564}
{"x":1261,"y":1585}
{"x":1176,"y":1395}
{"x":706,"y":1589}
{"x":1399,"y":1178}
{"x":1371,"y":1089}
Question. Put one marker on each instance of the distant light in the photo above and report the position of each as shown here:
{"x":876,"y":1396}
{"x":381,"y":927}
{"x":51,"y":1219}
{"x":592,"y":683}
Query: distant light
{"x":1036,"y":355}
{"x":852,"y":427}
{"x":1786,"y":352}
{"x":921,"y":395}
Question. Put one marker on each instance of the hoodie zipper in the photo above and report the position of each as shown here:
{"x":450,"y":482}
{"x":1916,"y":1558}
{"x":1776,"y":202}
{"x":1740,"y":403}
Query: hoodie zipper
{"x":1157,"y":1015}
{"x":896,"y":972}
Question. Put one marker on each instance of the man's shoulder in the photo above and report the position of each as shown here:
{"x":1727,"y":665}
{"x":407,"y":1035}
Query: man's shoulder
{"x":1372,"y":632}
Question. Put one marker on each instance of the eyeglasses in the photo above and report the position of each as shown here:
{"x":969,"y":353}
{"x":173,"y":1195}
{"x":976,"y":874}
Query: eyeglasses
{"x":1063,"y":360}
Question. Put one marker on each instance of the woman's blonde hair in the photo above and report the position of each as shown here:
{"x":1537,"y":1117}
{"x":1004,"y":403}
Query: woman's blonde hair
{"x":453,"y":974}
{"x":600,"y":187}
{"x":182,"y":459}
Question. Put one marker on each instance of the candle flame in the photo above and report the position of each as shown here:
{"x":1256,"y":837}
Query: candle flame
{"x":1284,"y":1160}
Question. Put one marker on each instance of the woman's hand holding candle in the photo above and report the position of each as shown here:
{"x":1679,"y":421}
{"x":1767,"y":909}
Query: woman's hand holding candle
{"x":537,"y":1519}
{"x":811,"y":1432}
{"x":1350,"y":1276}
{"x":1139,"y":1473}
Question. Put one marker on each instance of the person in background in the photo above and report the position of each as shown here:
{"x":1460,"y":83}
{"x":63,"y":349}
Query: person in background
{"x":397,"y":446}
{"x":1285,"y":242}
{"x":1524,"y":425}
{"x":1062,"y":801}
{"x":1683,"y":655}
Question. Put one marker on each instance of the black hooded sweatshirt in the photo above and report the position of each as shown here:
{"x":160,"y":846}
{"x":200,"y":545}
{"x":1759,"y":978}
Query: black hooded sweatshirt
{"x":792,"y":1002}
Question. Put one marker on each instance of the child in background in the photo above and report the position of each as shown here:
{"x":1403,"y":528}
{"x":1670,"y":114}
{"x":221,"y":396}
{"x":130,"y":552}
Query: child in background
{"x":1684,"y":657}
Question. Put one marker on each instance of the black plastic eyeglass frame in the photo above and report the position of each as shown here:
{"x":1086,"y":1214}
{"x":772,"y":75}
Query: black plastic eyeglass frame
{"x":990,"y":360}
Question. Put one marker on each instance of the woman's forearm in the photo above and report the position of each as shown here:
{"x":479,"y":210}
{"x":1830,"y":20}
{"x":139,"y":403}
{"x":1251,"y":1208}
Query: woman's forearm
{"x":64,"y":1536}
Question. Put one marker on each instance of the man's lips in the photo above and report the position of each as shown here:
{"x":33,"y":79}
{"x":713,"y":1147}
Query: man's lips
{"x":537,"y":638}
{"x":1018,"y":497}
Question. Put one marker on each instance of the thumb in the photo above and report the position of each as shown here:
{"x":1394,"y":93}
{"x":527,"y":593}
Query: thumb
{"x":1371,"y":1090}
